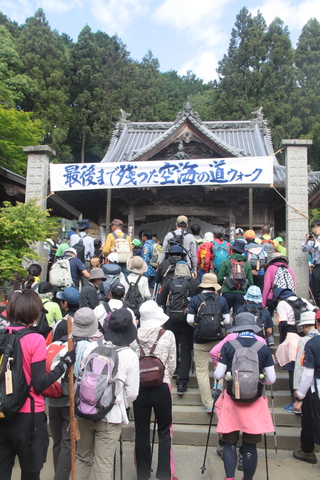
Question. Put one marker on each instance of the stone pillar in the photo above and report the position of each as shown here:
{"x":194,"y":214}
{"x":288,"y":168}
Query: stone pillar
{"x":37,"y":186}
{"x":296,"y":160}
{"x":232,"y":224}
{"x":131,"y":222}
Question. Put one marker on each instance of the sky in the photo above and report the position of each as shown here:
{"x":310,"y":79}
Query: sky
{"x":183,"y":34}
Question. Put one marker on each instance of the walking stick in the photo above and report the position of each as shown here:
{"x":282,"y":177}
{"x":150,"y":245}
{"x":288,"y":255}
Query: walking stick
{"x":266,"y":455}
{"x":274,"y":421}
{"x":121,"y":454}
{"x":153,"y":438}
{"x":203,"y":468}
{"x":73,"y":430}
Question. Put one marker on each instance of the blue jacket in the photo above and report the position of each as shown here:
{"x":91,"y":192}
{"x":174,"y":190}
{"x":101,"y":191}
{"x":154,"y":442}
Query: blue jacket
{"x":146,"y":256}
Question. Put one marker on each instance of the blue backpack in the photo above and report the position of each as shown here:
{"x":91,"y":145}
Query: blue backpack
{"x":220,"y":253}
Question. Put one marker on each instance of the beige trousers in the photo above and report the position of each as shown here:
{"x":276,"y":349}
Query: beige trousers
{"x":201,"y":359}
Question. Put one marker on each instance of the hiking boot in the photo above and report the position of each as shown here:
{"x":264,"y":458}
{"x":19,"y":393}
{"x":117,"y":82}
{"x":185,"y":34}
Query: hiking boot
{"x":240,"y":463}
{"x":219,"y":451}
{"x":270,"y":341}
{"x":289,"y":408}
{"x":181,"y":388}
{"x":305,"y":457}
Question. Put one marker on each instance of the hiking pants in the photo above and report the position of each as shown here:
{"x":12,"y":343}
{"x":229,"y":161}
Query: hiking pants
{"x":234,"y":300}
{"x":201,"y":359}
{"x":160,"y":400}
{"x":316,"y":283}
{"x":183,"y":333}
{"x":96,"y":449}
{"x":59,"y":418}
{"x":306,"y":435}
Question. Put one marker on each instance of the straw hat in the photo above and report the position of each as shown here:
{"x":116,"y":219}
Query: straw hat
{"x":137,"y":265}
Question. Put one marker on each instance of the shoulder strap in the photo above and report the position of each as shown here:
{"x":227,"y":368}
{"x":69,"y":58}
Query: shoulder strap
{"x":115,"y":235}
{"x":127,"y":280}
{"x":235,"y":344}
{"x":161,"y":332}
{"x":138,"y":280}
{"x":107,"y":307}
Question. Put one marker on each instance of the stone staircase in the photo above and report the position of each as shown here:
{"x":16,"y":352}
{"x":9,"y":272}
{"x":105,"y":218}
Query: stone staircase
{"x":190,"y":421}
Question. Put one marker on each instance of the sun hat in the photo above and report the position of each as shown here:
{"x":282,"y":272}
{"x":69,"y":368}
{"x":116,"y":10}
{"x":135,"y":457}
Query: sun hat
{"x":318,"y":314}
{"x":279,"y":239}
{"x":253,"y":294}
{"x":137,"y":265}
{"x":71,"y":250}
{"x":46,"y":287}
{"x":111,"y":269}
{"x":278,"y":257}
{"x":97,"y":274}
{"x":85,"y":323}
{"x":209,"y":280}
{"x":151,"y":315}
{"x":208,"y":237}
{"x":70,"y":295}
{"x":176,"y":250}
{"x":97,"y":242}
{"x":113,"y":257}
{"x":82,"y":224}
{"x":182,"y":219}
{"x":249,"y":234}
{"x":307,"y":318}
{"x":136,"y":242}
{"x":120,"y":329}
{"x":238,"y":246}
{"x":245,"y":321}
{"x":118,"y":289}
{"x":71,"y":233}
{"x":282,"y":293}
{"x":116,"y":222}
{"x":239,"y":231}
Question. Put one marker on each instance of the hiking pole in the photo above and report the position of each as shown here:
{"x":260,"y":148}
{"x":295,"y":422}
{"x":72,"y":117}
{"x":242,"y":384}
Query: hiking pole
{"x":74,"y":434}
{"x":274,"y":421}
{"x":114,"y":465}
{"x":266,"y":455}
{"x":153,"y":438}
{"x":203,"y":468}
{"x":121,"y":455}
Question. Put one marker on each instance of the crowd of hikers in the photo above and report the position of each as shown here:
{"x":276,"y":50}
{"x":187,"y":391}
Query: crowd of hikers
{"x":99,"y":342}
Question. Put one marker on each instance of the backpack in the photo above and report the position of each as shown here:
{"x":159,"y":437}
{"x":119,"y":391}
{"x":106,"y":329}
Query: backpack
{"x":133,"y":298}
{"x":151,"y":367}
{"x":177,"y":240}
{"x":122,"y":247}
{"x":256,"y":256}
{"x":237,"y":279}
{"x":209,"y":318}
{"x":105,"y":286}
{"x":245,"y":385}
{"x":79,"y":247}
{"x":269,"y":247}
{"x":108,"y":311}
{"x":156,"y":252}
{"x":220,"y":253}
{"x":95,"y":386}
{"x":283,"y":279}
{"x":60,"y":274}
{"x":60,"y":387}
{"x":42,"y":326}
{"x":205,"y":256}
{"x":256,"y":310}
{"x":299,"y":307}
{"x":177,"y":300}
{"x":14,"y":389}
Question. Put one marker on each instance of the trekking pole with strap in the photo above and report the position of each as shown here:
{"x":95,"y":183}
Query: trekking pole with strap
{"x":121,"y":455}
{"x":274,"y":421}
{"x":266,"y":455}
{"x":74,"y":433}
{"x":203,"y":468}
{"x":153,"y":439}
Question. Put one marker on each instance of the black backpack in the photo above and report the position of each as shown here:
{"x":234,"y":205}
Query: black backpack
{"x":299,"y":307}
{"x":256,"y":310}
{"x":133,"y":298}
{"x":177,"y":301}
{"x":14,"y":389}
{"x":177,"y":240}
{"x":79,"y":247}
{"x":208,"y":318}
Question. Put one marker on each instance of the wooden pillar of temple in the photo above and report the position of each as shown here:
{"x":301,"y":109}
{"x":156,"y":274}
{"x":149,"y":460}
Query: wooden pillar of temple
{"x":131,"y":222}
{"x":232,"y":224}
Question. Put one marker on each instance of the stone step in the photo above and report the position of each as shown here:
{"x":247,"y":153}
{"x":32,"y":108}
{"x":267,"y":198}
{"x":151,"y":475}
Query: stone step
{"x":287,"y":438}
{"x":282,"y":382}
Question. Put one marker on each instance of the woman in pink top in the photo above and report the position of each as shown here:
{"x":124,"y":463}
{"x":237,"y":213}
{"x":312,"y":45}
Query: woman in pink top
{"x":25,"y":435}
{"x":278,"y":261}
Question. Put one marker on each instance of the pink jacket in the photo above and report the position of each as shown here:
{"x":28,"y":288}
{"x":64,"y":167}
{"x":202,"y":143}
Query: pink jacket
{"x":269,"y":275}
{"x":214,"y":353}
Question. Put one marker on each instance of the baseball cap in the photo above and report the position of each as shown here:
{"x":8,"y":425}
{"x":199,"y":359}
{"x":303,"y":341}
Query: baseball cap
{"x":182,"y":219}
{"x":71,"y":250}
{"x":70,"y":295}
{"x":239,"y":231}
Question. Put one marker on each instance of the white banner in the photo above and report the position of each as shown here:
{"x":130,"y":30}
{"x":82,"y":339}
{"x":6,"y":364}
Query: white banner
{"x":210,"y":171}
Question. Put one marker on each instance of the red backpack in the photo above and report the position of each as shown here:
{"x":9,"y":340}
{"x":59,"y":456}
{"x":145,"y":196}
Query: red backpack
{"x":205,"y":256}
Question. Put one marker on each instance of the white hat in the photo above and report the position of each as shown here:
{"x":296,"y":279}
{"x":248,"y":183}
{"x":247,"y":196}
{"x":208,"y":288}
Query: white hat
{"x":151,"y":315}
{"x":113,"y":257}
{"x":71,"y":250}
{"x":307,"y":318}
{"x":208,"y":237}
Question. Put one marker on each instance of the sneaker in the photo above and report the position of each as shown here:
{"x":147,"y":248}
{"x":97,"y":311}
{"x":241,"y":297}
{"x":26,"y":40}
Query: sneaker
{"x":208,"y":409}
{"x":175,"y":374}
{"x":240,"y":463}
{"x":181,"y":388}
{"x":219,"y":451}
{"x":289,"y":408}
{"x":270,"y":341}
{"x":305,"y":457}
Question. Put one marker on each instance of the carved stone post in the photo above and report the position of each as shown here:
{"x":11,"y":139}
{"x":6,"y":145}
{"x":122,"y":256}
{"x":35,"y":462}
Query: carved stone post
{"x":37,"y":186}
{"x":296,"y":159}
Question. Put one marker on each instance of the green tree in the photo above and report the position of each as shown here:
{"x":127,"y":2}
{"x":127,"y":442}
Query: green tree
{"x":21,"y":226}
{"x":17,"y":130}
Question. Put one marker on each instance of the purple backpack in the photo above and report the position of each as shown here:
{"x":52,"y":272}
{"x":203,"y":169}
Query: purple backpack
{"x":95,"y":386}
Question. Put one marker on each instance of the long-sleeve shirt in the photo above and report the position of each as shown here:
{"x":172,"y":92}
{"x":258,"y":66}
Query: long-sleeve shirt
{"x":87,"y":243}
{"x":110,"y":242}
{"x":298,"y":368}
{"x":146,"y":255}
{"x":269,"y":276}
{"x":313,"y":247}
{"x":224,"y":272}
{"x":189,"y":244}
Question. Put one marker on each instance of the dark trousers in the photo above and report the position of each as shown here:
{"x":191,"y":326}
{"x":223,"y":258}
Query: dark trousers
{"x":258,"y":280}
{"x":316,"y":283}
{"x":183,"y":333}
{"x":234,"y":300}
{"x":159,"y":399}
{"x":306,"y":435}
{"x":59,"y":418}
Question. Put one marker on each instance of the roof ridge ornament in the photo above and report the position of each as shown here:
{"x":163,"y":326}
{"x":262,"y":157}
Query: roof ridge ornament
{"x":259,"y":114}
{"x":188,"y":112}
{"x":124,"y":115}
